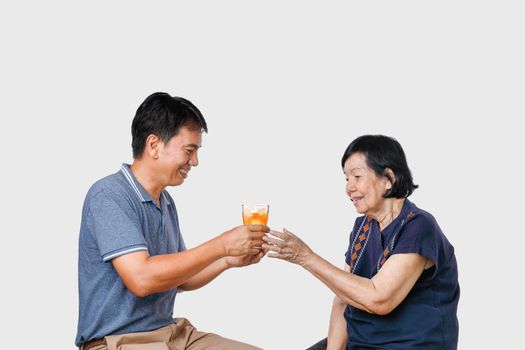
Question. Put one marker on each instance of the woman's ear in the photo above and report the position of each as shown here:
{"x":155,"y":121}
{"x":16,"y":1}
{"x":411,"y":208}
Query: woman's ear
{"x":391,"y":178}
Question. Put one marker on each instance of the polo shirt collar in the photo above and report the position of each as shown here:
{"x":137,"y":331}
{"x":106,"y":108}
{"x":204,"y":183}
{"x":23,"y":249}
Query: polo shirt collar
{"x":141,"y":193}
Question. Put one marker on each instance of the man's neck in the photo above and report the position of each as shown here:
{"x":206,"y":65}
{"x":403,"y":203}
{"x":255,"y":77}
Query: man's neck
{"x":147,"y":179}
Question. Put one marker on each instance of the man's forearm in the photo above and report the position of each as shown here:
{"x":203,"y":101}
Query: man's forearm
{"x":145,"y":275}
{"x":205,"y":276}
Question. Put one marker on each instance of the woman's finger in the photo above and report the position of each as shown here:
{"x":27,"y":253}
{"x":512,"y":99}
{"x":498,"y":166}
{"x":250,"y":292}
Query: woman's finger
{"x":287,"y":233}
{"x":279,"y":234}
{"x":277,"y":242}
{"x":269,"y":247}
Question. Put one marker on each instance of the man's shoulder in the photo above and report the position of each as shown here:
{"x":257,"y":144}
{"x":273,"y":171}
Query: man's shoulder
{"x":113,"y":184}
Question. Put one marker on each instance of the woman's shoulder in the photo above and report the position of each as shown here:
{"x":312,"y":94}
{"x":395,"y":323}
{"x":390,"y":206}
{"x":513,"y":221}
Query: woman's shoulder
{"x":421,"y":226}
{"x":418,"y":216}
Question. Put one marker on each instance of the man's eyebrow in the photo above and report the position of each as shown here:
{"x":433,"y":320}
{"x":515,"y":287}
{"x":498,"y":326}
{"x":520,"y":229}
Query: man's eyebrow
{"x":192,"y":145}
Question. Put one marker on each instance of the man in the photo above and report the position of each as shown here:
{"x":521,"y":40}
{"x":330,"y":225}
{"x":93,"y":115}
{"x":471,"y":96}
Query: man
{"x":132,"y":258}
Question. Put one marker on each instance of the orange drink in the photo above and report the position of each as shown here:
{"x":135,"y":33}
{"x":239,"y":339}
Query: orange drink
{"x":255,"y":214}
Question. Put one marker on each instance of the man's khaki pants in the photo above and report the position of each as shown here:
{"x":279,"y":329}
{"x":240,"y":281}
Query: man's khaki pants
{"x":179,"y":336}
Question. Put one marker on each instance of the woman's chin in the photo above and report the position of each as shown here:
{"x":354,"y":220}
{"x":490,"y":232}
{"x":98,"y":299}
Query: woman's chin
{"x":360,"y":210}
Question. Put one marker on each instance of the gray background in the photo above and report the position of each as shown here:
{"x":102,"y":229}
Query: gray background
{"x":285,"y":87}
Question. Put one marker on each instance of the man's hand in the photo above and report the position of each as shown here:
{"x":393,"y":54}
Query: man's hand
{"x":243,"y":240}
{"x":215,"y":269}
{"x":244,"y":260}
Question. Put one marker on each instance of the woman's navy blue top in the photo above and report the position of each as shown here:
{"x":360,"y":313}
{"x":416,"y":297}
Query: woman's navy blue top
{"x":427,"y":317}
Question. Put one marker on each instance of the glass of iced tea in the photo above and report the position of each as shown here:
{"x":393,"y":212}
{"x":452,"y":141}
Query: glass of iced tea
{"x":255,"y":214}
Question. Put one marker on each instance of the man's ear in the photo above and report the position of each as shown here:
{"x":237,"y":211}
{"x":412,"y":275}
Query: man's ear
{"x":391,"y":178}
{"x":152,"y":146}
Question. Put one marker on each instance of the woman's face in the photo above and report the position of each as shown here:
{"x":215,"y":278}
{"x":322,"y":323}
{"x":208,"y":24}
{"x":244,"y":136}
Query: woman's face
{"x":363,"y":186}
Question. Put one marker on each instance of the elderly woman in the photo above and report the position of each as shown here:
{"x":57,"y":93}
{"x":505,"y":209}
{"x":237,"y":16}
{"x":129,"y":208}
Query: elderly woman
{"x":399,"y":287}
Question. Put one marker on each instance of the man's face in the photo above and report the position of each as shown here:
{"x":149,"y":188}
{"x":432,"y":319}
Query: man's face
{"x":178,"y":155}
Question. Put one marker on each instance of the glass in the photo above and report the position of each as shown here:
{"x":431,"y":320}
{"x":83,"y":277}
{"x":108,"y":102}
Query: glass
{"x":255,"y":214}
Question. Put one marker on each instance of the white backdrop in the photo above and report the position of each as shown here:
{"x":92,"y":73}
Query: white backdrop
{"x":284,"y":86}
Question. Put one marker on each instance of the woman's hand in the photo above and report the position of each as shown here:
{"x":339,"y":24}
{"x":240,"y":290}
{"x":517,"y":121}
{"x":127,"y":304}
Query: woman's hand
{"x":287,"y":246}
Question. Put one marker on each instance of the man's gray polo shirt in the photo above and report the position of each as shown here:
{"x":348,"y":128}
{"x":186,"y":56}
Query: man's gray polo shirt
{"x":119,"y":217}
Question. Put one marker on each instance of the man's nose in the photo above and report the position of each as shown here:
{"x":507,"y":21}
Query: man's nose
{"x":194,"y":161}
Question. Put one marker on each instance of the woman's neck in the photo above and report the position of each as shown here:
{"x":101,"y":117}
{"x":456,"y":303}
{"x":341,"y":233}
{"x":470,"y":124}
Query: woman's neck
{"x":388,"y":212}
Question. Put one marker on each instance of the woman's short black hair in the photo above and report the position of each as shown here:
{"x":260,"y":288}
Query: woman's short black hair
{"x":382,"y":152}
{"x":163,"y":115}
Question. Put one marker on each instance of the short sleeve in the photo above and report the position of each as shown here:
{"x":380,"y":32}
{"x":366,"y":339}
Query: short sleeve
{"x":182,"y":245}
{"x":419,"y":235}
{"x":115,"y":225}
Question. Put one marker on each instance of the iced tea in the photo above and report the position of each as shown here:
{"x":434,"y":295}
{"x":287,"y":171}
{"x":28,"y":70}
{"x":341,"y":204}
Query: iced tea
{"x":255,"y":215}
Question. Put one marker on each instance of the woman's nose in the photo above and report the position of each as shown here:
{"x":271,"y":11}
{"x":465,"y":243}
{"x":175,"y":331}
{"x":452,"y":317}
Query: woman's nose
{"x":350,"y":186}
